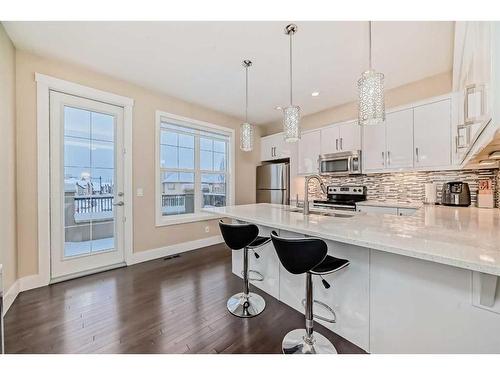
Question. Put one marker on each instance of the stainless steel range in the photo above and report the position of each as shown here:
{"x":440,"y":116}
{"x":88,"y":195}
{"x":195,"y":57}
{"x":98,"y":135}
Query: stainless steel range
{"x":342,"y":197}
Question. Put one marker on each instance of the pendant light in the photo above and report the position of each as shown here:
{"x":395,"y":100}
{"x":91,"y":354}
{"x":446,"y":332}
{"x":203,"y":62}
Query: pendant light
{"x":246,"y":129}
{"x":371,"y":92}
{"x":291,"y":114}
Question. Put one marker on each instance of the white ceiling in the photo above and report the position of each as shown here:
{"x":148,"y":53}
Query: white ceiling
{"x":201,"y":61}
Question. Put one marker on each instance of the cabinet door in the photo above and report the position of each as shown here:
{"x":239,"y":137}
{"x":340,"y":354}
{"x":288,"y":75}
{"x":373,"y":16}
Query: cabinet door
{"x":330,"y":140}
{"x":350,"y":136}
{"x":374,"y":151}
{"x":266,"y":148}
{"x":399,"y":137}
{"x":309,"y":148}
{"x":406,"y":211}
{"x":432,"y":127}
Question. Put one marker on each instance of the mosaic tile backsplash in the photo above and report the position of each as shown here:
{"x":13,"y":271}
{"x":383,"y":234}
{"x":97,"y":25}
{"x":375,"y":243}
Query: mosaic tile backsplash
{"x":409,"y":186}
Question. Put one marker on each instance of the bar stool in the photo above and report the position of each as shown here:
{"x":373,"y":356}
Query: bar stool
{"x":245,"y":236}
{"x":309,"y":256}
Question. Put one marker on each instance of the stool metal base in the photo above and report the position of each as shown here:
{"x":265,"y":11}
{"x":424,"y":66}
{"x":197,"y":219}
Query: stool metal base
{"x":294,"y":343}
{"x":244,"y":307}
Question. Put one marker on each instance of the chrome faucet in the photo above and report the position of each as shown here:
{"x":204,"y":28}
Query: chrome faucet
{"x":306,"y":190}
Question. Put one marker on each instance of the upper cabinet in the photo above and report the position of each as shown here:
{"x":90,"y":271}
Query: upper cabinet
{"x":417,"y":137}
{"x":274,"y":147}
{"x":308,"y":152}
{"x":341,"y":138}
{"x":432,"y":126}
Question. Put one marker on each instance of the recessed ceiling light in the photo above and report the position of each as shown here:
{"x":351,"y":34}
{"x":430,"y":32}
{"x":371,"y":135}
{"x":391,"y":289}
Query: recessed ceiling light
{"x":488,"y":162}
{"x":278,"y":108}
{"x":315,"y":93}
{"x":495,"y":155}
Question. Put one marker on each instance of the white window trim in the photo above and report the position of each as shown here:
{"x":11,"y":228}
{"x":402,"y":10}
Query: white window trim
{"x":198,"y":216}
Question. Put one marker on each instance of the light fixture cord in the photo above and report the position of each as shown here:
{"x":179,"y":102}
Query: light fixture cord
{"x":246,"y":94}
{"x":370,"y":43}
{"x":291,"y":68}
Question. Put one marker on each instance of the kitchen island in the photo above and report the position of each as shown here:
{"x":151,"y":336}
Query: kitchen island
{"x":411,"y":278}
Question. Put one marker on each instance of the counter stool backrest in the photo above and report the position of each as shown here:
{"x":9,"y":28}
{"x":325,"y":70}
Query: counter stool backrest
{"x":299,"y":255}
{"x":238,"y":236}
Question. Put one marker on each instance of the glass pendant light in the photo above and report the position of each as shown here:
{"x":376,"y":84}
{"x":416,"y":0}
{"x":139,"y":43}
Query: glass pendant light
{"x":371,"y":92}
{"x":291,"y":114}
{"x":246,"y":129}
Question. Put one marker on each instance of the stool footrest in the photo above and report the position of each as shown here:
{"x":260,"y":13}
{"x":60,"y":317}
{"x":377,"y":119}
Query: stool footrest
{"x":260,"y":277}
{"x":324,"y":305}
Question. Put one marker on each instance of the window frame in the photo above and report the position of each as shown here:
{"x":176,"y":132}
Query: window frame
{"x":230,"y":163}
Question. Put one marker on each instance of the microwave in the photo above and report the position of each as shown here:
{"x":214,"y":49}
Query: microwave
{"x":340,"y":163}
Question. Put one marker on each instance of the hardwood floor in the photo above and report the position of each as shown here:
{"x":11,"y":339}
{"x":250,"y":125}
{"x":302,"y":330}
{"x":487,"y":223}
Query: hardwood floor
{"x":163,"y":306}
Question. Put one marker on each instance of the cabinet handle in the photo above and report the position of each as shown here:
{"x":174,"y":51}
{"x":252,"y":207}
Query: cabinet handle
{"x":337,"y":144}
{"x":388,"y":158}
{"x":416,"y":153}
{"x":272,"y":152}
{"x":341,"y":144}
{"x":383,"y":158}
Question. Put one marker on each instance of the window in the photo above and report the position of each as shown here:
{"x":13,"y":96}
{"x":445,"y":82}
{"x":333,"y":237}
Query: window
{"x":194,"y":170}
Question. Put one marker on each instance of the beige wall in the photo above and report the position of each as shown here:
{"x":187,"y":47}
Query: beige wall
{"x":8,"y":253}
{"x":428,"y":87}
{"x":146,"y":235}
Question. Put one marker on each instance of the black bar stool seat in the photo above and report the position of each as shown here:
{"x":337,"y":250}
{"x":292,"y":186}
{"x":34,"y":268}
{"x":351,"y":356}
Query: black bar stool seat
{"x":243,"y":236}
{"x":328,"y":265}
{"x":309,"y":256}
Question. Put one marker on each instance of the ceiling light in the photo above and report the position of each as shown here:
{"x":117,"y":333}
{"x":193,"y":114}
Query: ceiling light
{"x":246,"y":129}
{"x":488,"y":162}
{"x":371,"y":92}
{"x":291,"y":114}
{"x":315,"y":93}
{"x":495,"y":155}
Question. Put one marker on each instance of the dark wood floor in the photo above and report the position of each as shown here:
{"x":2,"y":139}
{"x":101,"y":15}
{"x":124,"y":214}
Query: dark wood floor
{"x":163,"y":306}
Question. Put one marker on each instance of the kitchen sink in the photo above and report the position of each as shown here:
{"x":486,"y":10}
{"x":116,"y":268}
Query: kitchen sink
{"x":332,"y":213}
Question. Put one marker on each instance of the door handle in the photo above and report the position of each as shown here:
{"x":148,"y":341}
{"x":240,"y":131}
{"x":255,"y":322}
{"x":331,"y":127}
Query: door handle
{"x":121,"y":203}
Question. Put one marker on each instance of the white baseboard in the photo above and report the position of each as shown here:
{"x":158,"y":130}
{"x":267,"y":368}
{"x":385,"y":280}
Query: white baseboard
{"x":36,"y":281}
{"x":10,"y":296}
{"x":144,"y":256}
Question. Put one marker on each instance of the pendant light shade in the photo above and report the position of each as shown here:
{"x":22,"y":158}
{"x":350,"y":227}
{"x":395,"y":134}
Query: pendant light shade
{"x":291,"y":114}
{"x":371,"y":93}
{"x":246,"y":129}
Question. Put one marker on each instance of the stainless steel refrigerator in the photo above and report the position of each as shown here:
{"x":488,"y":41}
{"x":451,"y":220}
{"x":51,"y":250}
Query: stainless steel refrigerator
{"x":273,"y":183}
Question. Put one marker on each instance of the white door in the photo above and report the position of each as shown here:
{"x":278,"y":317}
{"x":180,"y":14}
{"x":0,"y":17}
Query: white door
{"x":374,"y":151}
{"x":432,"y":129}
{"x":350,"y":136}
{"x":86,"y":161}
{"x":309,"y":149}
{"x":399,"y":136}
{"x":330,"y":140}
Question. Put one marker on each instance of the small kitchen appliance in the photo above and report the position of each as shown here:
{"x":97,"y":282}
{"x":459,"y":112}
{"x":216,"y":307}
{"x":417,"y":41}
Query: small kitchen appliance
{"x":456,"y":194}
{"x":342,"y":197}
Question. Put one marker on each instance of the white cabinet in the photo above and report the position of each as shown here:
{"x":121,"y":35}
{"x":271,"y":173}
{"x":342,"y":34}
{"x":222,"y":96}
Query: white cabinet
{"x":406,"y":211}
{"x":308,"y":153}
{"x":274,"y":147}
{"x":342,"y":137}
{"x":399,"y":139}
{"x":432,"y":126}
{"x":374,"y":150}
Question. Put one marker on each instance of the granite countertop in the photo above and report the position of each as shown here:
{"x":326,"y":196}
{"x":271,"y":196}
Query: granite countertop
{"x":464,"y":237}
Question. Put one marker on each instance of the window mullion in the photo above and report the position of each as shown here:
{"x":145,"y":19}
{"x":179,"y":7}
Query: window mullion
{"x":197,"y":175}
